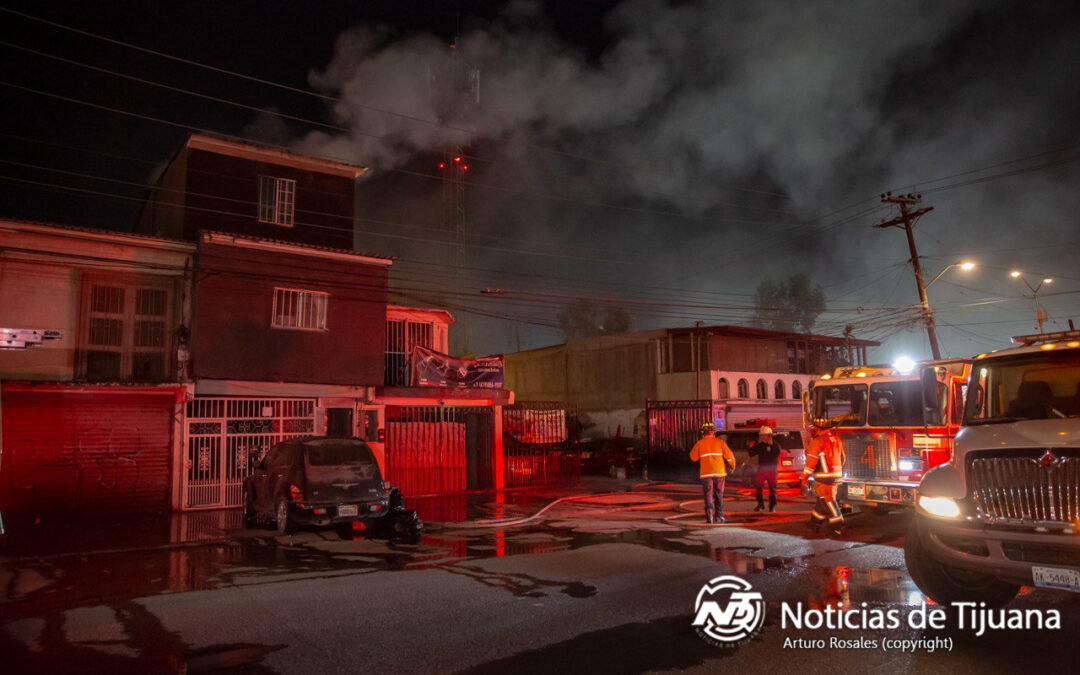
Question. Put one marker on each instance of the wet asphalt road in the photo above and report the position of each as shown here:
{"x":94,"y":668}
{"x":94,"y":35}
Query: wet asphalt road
{"x":604,"y":585}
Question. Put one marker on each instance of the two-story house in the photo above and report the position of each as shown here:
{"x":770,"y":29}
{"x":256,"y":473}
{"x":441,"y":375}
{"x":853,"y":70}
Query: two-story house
{"x":91,"y":361}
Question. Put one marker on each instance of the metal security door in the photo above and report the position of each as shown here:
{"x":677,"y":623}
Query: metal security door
{"x":222,"y":435}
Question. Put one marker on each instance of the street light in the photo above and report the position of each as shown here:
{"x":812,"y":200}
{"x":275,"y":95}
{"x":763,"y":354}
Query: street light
{"x":1040,"y":313}
{"x":966,"y":265}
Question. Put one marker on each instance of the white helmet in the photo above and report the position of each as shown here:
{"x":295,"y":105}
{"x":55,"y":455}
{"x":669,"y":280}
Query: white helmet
{"x":765,"y":431}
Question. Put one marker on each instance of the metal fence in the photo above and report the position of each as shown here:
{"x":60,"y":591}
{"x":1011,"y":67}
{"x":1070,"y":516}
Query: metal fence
{"x":673,"y":428}
{"x":539,"y":442}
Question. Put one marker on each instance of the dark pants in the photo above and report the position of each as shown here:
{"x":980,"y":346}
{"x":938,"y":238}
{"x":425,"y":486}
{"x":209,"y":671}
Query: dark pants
{"x":766,"y":476}
{"x":714,"y":494}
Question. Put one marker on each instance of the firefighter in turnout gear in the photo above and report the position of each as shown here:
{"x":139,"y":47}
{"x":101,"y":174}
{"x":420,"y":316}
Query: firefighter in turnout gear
{"x":825,"y":461}
{"x":716,"y":458}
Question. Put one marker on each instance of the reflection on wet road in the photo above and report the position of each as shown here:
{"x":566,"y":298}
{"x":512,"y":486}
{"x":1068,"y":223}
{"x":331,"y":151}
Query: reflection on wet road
{"x":93,"y":609}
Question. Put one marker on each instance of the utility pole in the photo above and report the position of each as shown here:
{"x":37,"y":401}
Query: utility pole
{"x":906,"y":220}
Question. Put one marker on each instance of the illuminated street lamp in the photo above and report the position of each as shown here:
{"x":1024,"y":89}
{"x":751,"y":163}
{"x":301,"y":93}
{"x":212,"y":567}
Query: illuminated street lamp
{"x":1040,"y":313}
{"x":966,"y":265}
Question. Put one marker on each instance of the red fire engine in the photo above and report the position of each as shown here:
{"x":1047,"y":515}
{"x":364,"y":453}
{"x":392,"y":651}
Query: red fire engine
{"x":877,"y":411}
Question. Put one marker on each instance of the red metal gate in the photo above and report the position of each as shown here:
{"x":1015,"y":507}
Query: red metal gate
{"x":434,"y":450}
{"x":539,"y":441}
{"x":82,"y":452}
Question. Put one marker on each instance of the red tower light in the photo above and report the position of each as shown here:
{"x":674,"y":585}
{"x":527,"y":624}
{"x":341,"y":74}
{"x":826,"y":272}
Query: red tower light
{"x":464,"y":167}
{"x":442,"y":165}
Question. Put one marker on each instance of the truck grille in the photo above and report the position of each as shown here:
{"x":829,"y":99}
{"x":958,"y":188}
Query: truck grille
{"x":869,"y":457}
{"x":1034,"y":485}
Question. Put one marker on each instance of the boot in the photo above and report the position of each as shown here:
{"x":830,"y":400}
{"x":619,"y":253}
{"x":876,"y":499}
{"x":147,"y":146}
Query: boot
{"x":709,"y":518}
{"x":760,"y":507}
{"x":719,"y":519}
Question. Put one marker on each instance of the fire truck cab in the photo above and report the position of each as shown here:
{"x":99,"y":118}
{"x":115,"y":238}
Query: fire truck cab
{"x":878,"y":413}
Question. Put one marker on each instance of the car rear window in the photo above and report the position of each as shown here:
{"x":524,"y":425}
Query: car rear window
{"x":337,"y":453}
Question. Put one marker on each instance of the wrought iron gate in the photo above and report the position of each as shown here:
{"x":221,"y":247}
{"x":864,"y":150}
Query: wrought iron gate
{"x":673,"y":428}
{"x":539,"y":444}
{"x":222,"y":434}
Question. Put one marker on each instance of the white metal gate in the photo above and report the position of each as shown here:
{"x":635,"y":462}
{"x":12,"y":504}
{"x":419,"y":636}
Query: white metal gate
{"x":221,"y":434}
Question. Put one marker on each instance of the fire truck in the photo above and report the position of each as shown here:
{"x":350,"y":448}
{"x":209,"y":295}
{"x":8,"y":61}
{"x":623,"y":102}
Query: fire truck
{"x":878,"y":413}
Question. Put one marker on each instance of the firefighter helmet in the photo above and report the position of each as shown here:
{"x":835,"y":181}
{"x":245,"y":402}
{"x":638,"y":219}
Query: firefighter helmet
{"x":708,"y":428}
{"x":765,"y":431}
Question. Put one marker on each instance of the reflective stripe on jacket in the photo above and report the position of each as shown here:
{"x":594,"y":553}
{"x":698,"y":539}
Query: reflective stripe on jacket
{"x":714,"y":455}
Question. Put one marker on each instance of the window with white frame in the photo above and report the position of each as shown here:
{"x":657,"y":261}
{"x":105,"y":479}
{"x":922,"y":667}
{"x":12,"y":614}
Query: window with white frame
{"x":299,"y":310}
{"x":128,"y":330}
{"x":277,"y":198}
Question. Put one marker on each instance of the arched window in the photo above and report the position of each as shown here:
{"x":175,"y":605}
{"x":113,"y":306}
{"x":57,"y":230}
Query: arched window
{"x":744,"y":388}
{"x":722,"y":390}
{"x":796,"y":389}
{"x":762,"y":389}
{"x":779,"y":392}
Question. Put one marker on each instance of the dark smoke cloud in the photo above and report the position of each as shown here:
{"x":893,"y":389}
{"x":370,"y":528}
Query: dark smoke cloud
{"x":810,"y":105}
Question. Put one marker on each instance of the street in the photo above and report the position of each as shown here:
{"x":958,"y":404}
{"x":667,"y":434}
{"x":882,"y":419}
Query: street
{"x":601,"y":584}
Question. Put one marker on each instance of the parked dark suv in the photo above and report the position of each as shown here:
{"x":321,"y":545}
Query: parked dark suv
{"x":322,"y":481}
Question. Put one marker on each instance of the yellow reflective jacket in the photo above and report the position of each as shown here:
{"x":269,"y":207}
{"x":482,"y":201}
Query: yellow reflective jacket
{"x":715,"y":457}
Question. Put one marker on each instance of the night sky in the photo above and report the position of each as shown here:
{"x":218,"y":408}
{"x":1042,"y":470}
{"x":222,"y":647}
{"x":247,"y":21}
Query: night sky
{"x":662,"y":156}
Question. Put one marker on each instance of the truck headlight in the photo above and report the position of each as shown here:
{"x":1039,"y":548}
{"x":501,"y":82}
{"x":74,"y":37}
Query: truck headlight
{"x":910,"y":465}
{"x":942,"y":507}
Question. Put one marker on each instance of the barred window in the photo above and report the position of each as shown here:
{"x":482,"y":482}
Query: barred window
{"x":128,"y":332}
{"x":276,"y":200}
{"x":299,"y":310}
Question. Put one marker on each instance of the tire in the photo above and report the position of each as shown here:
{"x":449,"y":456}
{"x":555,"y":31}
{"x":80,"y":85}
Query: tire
{"x":282,"y":521}
{"x":945,"y":584}
{"x":251,"y":519}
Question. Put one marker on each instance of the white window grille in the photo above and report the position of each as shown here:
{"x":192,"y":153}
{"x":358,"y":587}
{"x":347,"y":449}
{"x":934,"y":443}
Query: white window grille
{"x":128,"y":331}
{"x":277,"y":198}
{"x":401,"y":336}
{"x":300,"y":310}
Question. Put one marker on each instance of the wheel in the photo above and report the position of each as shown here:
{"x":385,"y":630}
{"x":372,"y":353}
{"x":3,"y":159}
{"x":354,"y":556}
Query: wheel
{"x":945,"y":584}
{"x":251,"y":519}
{"x":284,"y":523}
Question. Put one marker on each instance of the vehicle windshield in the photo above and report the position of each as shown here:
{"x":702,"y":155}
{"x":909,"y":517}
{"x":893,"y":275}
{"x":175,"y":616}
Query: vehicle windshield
{"x":1043,"y":385}
{"x":896,"y":404}
{"x":331,"y":452}
{"x":845,"y":403}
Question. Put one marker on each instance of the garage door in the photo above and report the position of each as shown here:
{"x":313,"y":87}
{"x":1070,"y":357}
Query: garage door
{"x":85,"y":452}
{"x":787,"y":416}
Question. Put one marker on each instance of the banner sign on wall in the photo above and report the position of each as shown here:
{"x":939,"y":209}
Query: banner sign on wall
{"x":434,"y":369}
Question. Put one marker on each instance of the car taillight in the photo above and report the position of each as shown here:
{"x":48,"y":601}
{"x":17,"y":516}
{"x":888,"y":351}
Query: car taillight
{"x":294,"y":493}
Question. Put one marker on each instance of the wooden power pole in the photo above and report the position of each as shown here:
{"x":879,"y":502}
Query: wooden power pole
{"x":906,"y":220}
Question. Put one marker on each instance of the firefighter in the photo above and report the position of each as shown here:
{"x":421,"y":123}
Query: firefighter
{"x":715,"y":457}
{"x":767,"y":452}
{"x":825,"y":461}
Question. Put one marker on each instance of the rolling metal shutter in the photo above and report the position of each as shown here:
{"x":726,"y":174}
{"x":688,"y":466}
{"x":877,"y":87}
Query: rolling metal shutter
{"x":84,"y":452}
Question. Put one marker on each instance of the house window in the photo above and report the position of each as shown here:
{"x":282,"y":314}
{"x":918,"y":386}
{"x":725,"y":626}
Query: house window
{"x":779,"y":391}
{"x":277,"y":197}
{"x":128,"y":329}
{"x":401,"y":336}
{"x":762,"y":389}
{"x":744,"y":388}
{"x":796,"y":389}
{"x":299,"y":310}
{"x":722,"y":389}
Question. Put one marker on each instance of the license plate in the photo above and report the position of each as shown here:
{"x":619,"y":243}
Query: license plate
{"x":856,"y":490}
{"x":785,"y":462}
{"x":1056,"y":577}
{"x":347,"y":510}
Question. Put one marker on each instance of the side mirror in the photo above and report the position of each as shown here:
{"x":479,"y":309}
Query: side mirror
{"x":931,"y":396}
{"x":806,"y":408}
